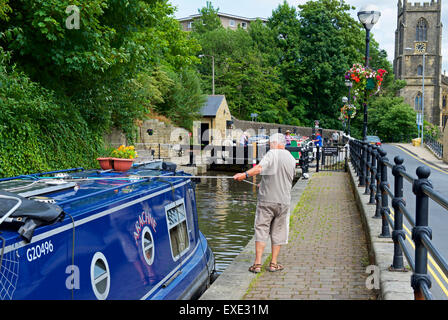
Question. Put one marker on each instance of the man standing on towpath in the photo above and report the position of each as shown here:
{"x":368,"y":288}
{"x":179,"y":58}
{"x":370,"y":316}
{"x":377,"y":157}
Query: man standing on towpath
{"x":277,"y":170}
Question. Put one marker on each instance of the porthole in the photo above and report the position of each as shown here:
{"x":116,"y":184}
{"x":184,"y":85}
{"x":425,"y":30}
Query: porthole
{"x":100,"y":276}
{"x":148,"y":245}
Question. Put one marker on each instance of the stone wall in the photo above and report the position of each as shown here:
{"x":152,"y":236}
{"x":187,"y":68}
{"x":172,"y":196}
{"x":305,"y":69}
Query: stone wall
{"x":164,"y":137}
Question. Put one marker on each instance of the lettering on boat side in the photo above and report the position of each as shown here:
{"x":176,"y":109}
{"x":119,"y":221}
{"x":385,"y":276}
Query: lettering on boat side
{"x":145,"y":218}
{"x":39,"y":250}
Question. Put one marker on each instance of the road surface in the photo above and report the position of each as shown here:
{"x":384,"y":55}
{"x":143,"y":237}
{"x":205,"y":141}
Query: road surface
{"x":438,"y":217}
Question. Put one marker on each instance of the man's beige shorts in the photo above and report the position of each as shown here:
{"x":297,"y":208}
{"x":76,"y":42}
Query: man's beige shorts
{"x":272,"y":219}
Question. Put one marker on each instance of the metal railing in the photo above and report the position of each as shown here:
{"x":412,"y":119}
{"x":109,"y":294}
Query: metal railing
{"x":434,"y":145}
{"x":371,"y":165}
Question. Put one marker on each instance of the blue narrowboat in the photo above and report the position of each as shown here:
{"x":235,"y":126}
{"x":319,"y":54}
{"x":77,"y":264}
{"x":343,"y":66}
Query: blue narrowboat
{"x":91,"y":234}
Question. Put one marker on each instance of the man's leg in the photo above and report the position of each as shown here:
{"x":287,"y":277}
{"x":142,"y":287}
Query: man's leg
{"x":259,"y":249}
{"x":275,"y":252}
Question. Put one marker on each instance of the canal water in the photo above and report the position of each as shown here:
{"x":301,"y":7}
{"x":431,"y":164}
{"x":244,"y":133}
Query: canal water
{"x":226,"y":210}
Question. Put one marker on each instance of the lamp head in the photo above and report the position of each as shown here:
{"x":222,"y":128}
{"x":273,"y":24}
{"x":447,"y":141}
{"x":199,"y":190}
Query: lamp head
{"x":348,"y":83}
{"x":369,"y":16}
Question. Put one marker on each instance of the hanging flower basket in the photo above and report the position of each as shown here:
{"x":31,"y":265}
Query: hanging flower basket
{"x":365,"y":80}
{"x":348,"y":111}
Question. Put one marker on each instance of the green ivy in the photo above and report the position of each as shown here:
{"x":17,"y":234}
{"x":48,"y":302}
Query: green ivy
{"x":36,"y":132}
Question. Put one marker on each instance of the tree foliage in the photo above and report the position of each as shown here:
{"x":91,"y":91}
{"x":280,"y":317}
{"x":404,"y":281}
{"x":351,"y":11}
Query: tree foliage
{"x":128,"y":58}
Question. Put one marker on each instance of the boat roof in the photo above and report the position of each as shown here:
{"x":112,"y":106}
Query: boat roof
{"x":77,"y":191}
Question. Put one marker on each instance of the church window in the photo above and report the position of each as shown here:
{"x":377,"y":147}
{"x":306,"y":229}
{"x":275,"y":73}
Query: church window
{"x":421,"y":31}
{"x":420,"y":70}
{"x":418,"y":102}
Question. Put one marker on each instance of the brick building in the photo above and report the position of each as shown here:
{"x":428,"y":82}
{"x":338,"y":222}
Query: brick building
{"x":228,"y":21}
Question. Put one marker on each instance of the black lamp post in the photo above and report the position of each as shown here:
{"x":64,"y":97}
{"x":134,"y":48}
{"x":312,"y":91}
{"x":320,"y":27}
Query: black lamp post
{"x":368,"y":16}
{"x":349,"y":85}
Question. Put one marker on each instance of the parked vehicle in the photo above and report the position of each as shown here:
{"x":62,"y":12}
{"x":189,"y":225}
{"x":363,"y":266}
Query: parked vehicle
{"x":89,"y":234}
{"x":373,"y":140}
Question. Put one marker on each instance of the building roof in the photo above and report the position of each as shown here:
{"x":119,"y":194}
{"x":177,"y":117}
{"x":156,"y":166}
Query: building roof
{"x":210,"y":108}
{"x":220,"y":14}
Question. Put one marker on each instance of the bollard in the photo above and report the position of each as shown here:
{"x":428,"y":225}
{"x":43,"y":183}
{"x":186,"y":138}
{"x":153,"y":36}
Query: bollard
{"x":385,"y":233}
{"x":420,"y":276}
{"x":398,"y":232}
{"x":254,"y":154}
{"x":373,"y":176}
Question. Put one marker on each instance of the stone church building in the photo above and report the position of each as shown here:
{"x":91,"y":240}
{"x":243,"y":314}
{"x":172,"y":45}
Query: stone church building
{"x":418,"y":48}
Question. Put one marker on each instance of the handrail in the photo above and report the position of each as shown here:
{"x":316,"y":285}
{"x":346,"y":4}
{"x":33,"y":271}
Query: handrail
{"x":93,"y":194}
{"x":437,"y":197}
{"x":370,"y":163}
{"x":35,"y":175}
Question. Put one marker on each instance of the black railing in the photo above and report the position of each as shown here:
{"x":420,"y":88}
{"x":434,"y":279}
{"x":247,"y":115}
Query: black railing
{"x":370,"y":163}
{"x":434,"y":145}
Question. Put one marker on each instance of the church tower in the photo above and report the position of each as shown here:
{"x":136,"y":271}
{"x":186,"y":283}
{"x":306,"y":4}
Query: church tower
{"x":418,"y":50}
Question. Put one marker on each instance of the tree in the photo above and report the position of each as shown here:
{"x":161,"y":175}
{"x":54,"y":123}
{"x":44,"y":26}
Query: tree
{"x":209,"y":19}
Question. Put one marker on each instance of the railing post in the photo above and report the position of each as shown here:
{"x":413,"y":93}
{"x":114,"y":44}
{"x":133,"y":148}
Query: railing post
{"x":378,"y":186}
{"x":385,"y":233}
{"x":397,"y":264}
{"x":368,"y":169}
{"x":373,"y":176}
{"x":362,"y":177}
{"x":317,"y":158}
{"x":420,"y":275}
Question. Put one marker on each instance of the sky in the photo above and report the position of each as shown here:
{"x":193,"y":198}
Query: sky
{"x":383,"y":31}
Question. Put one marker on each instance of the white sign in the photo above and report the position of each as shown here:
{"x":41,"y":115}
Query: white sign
{"x":419,"y":119}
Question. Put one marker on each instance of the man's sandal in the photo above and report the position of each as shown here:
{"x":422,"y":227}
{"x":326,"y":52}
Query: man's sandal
{"x":273,"y":267}
{"x":256,"y":268}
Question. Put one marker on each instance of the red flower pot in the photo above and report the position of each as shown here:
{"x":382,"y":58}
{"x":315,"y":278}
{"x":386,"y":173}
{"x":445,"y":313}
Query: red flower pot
{"x":122,"y":164}
{"x":105,"y":163}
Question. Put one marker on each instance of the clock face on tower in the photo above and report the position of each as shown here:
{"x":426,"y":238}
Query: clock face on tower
{"x":420,"y":47}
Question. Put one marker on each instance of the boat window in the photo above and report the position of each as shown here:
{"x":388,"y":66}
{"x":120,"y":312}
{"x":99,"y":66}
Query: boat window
{"x":148,"y":245}
{"x":100,"y":276}
{"x":177,"y":227}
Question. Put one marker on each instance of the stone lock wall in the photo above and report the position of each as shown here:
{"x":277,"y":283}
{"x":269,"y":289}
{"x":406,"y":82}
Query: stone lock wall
{"x":162,"y":141}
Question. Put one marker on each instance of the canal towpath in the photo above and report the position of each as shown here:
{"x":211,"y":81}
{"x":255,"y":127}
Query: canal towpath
{"x":325,"y":259}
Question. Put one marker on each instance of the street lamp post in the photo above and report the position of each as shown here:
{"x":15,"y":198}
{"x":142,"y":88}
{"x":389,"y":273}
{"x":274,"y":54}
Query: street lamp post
{"x":368,"y":16}
{"x":349,"y":85}
{"x":213,"y":70}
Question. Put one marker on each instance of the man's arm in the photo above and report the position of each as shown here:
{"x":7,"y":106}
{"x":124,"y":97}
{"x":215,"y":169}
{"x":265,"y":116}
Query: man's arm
{"x":250,"y":173}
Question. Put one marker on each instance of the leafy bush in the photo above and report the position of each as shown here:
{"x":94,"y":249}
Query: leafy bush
{"x":36,"y":132}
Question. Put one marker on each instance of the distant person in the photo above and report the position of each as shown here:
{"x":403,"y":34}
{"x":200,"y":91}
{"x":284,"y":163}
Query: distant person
{"x":335,"y":138}
{"x":318,"y":142}
{"x":288,"y":137}
{"x":244,"y":140}
{"x":277,"y":170}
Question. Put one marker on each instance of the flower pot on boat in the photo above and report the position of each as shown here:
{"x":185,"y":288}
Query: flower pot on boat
{"x":105,"y":163}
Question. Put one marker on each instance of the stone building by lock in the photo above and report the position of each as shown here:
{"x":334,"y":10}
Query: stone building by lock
{"x":418,"y":59}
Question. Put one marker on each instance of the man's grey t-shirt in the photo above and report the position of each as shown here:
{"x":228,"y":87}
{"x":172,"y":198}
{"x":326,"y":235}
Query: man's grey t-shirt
{"x":278,"y":170}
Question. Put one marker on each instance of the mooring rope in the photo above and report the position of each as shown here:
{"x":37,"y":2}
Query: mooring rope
{"x":131,"y":178}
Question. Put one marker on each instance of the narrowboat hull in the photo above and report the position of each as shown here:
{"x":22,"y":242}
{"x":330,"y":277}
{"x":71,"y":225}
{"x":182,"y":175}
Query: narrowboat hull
{"x":137,"y":242}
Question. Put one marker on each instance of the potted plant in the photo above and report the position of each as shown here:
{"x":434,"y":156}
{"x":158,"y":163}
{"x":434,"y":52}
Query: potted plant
{"x":105,"y":159}
{"x":123,"y":158}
